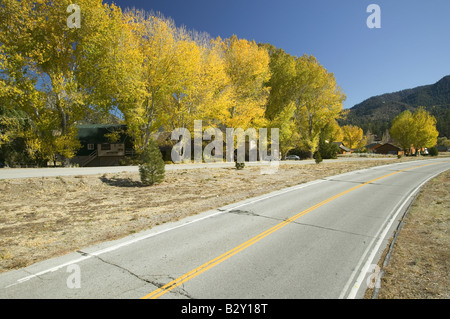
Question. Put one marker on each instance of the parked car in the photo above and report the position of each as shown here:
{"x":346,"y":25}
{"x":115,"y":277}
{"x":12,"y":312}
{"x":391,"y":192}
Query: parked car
{"x":292,"y":158}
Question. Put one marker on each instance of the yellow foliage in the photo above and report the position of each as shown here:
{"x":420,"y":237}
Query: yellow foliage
{"x":156,"y":74}
{"x":247,"y":66}
{"x":40,"y":63}
{"x":416,"y":129}
{"x":9,"y":128}
{"x":353,"y":136}
{"x":318,"y":99}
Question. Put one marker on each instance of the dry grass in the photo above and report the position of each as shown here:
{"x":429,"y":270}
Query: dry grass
{"x":419,"y":266}
{"x":47,"y":217}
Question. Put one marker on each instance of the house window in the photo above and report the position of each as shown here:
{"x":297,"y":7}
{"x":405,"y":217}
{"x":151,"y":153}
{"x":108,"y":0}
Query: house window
{"x":90,"y":147}
{"x":105,"y":147}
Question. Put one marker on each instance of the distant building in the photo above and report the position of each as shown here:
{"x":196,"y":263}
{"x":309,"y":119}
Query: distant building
{"x":372,"y":147}
{"x":388,"y":148}
{"x":110,"y":145}
{"x":342,"y":149}
{"x":102,"y":145}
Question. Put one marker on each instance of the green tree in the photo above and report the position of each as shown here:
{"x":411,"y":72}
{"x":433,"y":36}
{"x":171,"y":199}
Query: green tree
{"x":326,"y":148}
{"x":152,"y":167}
{"x":443,"y":141}
{"x":318,"y":157}
{"x":13,"y":147}
{"x":433,"y":151}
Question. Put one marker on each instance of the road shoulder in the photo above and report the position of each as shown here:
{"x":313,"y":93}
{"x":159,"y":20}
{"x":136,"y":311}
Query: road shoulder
{"x":418,"y":263}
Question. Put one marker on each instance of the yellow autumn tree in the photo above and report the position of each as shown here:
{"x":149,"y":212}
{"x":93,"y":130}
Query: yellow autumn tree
{"x":416,"y":129}
{"x":9,"y":128}
{"x":305,"y":85}
{"x":318,"y":100}
{"x":110,"y":59}
{"x":288,"y":135}
{"x":353,"y":137}
{"x":183,"y":104}
{"x":426,"y":133}
{"x":41,"y":69}
{"x":213,"y":95}
{"x":159,"y":76}
{"x":280,"y":106}
{"x":155,"y":74}
{"x":247,"y":66}
{"x":402,"y":130}
{"x":334,"y":131}
{"x":202,"y":89}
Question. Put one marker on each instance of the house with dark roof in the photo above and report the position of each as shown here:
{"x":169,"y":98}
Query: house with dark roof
{"x":110,"y":145}
{"x":389,"y":148}
{"x":372,"y":146}
{"x":342,"y":149}
{"x":102,"y":145}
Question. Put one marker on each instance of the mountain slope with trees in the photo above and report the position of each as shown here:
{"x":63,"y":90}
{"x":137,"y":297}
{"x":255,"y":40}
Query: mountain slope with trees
{"x":376,"y":113}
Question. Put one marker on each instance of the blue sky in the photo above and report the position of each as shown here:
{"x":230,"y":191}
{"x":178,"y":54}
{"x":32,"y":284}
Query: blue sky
{"x":411,"y":48}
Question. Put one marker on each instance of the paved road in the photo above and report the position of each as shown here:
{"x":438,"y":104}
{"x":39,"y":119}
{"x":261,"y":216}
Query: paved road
{"x":314,"y":240}
{"x":13,"y":173}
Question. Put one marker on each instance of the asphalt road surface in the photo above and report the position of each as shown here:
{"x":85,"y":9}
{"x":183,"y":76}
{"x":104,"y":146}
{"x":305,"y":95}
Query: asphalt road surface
{"x":314,"y":240}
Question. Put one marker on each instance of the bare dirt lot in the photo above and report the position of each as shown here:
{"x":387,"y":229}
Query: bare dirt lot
{"x":46,"y":217}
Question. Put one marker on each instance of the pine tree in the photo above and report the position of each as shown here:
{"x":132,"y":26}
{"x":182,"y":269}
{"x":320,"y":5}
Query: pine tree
{"x":152,"y":167}
{"x":318,"y":157}
{"x":327,"y":150}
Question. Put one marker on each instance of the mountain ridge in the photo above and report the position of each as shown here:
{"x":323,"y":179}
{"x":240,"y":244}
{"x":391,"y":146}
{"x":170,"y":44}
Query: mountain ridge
{"x":377,"y":112}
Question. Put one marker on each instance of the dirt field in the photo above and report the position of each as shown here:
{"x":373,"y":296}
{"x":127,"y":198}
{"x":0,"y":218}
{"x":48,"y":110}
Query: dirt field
{"x":419,"y":266}
{"x":46,"y":217}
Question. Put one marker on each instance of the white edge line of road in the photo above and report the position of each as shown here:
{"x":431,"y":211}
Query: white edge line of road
{"x":383,"y":230}
{"x":218,"y":211}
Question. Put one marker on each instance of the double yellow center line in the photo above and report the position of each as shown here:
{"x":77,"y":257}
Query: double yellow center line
{"x":199,"y":270}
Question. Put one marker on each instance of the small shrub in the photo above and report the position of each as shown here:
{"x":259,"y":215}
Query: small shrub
{"x":433,"y":151}
{"x":240,"y":166}
{"x":239,"y":162}
{"x":318,"y":157}
{"x":399,"y":156}
{"x":327,"y":150}
{"x":152,"y":167}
